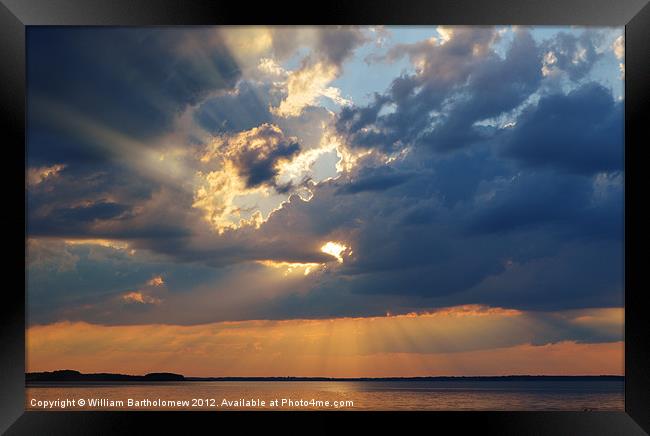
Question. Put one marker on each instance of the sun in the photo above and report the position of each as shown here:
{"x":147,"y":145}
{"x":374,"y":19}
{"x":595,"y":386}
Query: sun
{"x":334,"y":249}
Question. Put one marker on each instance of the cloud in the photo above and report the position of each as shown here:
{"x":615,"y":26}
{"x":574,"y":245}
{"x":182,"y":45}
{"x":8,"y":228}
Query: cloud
{"x":102,"y":210}
{"x":526,"y":199}
{"x":50,"y":255}
{"x":248,"y":161}
{"x":429,"y":240}
{"x":345,"y":347}
{"x":571,"y":54}
{"x":257,"y":153}
{"x":305,"y":85}
{"x":332,"y":46}
{"x":140,"y":83}
{"x":83,"y":216}
{"x":457,"y":44}
{"x":251,"y":104}
{"x":579,"y":275}
{"x":336,"y":43}
{"x":41,"y":174}
{"x":581,"y":132}
{"x":156,"y":281}
{"x":618,"y":47}
{"x":116,"y":124}
{"x":457,"y":82}
{"x":375,"y":179}
{"x":471,"y":179}
{"x":140,"y":298}
{"x":413,"y":246}
{"x":242,"y":109}
{"x":133,"y":154}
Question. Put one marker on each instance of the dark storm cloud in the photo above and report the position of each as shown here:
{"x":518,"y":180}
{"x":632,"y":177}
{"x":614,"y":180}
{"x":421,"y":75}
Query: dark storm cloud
{"x":62,"y":203}
{"x":257,"y":153}
{"x":497,"y":86}
{"x":101,"y":210}
{"x":532,"y":199}
{"x":576,"y":276}
{"x":67,"y":281}
{"x":528,"y":216}
{"x":580,"y":132}
{"x":49,"y":145}
{"x":133,"y":80}
{"x":458,"y":176}
{"x":374,"y":179}
{"x":459,"y":83}
{"x":415,"y":247}
{"x":135,"y":90}
{"x":579,"y":274}
{"x":111,"y":202}
{"x":258,"y":169}
{"x":96,"y":97}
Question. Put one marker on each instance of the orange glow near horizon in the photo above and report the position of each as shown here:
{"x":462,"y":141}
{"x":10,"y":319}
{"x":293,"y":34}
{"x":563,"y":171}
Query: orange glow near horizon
{"x":464,"y":340}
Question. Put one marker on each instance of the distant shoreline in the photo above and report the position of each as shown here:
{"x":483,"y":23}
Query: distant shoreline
{"x":76,"y":377}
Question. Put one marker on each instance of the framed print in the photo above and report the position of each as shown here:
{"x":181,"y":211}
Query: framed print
{"x":414,"y":211}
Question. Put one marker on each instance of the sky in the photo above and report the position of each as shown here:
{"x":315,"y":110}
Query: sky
{"x":325,"y":201}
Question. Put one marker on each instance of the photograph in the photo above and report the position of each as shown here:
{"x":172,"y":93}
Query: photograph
{"x":325,"y":217}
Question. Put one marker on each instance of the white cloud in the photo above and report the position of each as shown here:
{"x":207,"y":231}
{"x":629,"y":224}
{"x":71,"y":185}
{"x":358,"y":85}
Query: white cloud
{"x":305,"y":86}
{"x":618,"y":47}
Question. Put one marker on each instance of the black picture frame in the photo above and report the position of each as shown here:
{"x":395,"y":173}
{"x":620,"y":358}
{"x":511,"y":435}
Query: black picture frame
{"x":15,"y":15}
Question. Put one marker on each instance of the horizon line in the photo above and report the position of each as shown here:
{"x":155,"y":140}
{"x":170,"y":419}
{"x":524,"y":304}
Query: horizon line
{"x":178,"y":377}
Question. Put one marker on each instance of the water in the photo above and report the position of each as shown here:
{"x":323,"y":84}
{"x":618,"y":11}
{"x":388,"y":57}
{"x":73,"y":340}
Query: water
{"x":341,"y":395}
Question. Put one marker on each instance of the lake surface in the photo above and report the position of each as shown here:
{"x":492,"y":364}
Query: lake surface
{"x":329,"y":395}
